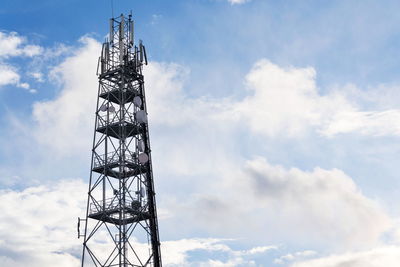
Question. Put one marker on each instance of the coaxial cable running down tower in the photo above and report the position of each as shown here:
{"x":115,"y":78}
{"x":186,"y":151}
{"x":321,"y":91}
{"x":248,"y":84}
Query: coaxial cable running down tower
{"x":120,"y":228}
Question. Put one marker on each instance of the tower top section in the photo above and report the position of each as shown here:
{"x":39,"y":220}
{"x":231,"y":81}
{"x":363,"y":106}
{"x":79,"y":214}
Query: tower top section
{"x":119,"y":49}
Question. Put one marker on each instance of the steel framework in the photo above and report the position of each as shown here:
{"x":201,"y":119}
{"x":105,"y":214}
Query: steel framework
{"x":120,"y":228}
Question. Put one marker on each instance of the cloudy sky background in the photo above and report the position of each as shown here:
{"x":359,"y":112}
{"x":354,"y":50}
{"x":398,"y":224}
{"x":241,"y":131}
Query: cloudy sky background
{"x":275,"y":129}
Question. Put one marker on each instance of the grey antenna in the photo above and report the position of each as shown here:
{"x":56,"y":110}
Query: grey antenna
{"x":103,"y":108}
{"x":141,"y":116}
{"x":141,"y":145}
{"x":141,"y":50}
{"x":137,"y":101}
{"x":145,"y":55}
{"x":111,"y":109}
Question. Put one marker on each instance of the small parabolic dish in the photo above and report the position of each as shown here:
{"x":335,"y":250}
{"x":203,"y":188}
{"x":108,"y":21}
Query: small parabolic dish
{"x":143,"y":158}
{"x":111,"y":109}
{"x":137,"y":101}
{"x":103,"y":108}
{"x":141,"y":116}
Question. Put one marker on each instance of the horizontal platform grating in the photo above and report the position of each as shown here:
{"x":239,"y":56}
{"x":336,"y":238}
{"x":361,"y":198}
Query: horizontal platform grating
{"x":119,"y":97}
{"x":116,"y":74}
{"x":111,"y":216}
{"x":109,"y":170}
{"x":121,"y":129}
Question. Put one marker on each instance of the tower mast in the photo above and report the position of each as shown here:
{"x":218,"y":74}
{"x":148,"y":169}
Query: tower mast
{"x":121,"y":228}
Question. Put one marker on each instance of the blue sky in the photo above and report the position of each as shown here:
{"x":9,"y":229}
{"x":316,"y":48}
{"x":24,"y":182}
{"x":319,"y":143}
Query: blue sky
{"x":274,"y":128}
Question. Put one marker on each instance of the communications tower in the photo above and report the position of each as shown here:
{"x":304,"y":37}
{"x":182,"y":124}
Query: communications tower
{"x":120,"y":228}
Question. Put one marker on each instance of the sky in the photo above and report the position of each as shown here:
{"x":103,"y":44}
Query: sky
{"x":275,"y":129}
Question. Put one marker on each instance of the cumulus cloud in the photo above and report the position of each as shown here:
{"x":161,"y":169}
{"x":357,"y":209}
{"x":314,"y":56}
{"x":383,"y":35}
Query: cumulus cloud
{"x":37,"y":224}
{"x":70,"y":116}
{"x":8,"y":75}
{"x":287,"y":101}
{"x":281,"y":102}
{"x":382,"y":256}
{"x":12,"y":44}
{"x":326,"y":207}
{"x":38,"y":228}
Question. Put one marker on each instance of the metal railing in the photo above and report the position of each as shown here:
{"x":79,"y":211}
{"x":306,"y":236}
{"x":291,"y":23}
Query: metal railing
{"x":113,"y":204}
{"x":105,"y":119}
{"x":114,"y":157}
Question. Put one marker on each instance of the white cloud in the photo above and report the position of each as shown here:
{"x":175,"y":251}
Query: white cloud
{"x":37,"y":224}
{"x":382,"y":256}
{"x":280,"y":102}
{"x":294,"y":256}
{"x":371,"y":123}
{"x":326,"y":207}
{"x":70,"y":116}
{"x":238,"y":2}
{"x":287,"y":102}
{"x":38,"y":76}
{"x":38,"y":228}
{"x":12,"y":44}
{"x":8,"y":75}
{"x":175,"y":253}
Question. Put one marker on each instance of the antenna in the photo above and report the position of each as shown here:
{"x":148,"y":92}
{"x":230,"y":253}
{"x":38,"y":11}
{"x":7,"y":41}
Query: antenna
{"x":141,"y":146}
{"x":131,"y":31}
{"x":141,"y":50}
{"x":137,"y":101}
{"x":145,"y":55}
{"x":111,"y":31}
{"x":142,"y":192}
{"x":141,"y":116}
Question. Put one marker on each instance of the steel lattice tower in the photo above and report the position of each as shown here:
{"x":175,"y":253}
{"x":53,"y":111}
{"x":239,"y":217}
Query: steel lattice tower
{"x":121,"y":228}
